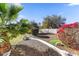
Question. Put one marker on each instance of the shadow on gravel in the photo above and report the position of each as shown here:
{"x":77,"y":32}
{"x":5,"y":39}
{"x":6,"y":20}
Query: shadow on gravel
{"x":23,"y":50}
{"x":42,"y":36}
{"x":45,"y":33}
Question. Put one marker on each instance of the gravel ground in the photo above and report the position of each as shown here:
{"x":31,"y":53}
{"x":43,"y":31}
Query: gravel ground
{"x":24,"y":50}
{"x":34,"y":44}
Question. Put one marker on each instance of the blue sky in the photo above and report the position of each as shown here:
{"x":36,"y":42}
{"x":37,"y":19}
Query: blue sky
{"x":37,"y":11}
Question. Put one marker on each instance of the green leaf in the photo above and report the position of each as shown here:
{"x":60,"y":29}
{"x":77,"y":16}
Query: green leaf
{"x":24,"y":21}
{"x":0,"y":20}
{"x":14,"y":9}
{"x":1,"y":40}
{"x":4,"y":7}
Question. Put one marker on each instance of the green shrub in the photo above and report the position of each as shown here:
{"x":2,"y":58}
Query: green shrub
{"x":55,"y":41}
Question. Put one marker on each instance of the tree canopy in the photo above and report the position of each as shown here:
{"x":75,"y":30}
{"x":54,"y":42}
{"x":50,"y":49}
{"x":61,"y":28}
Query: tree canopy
{"x":53,"y":21}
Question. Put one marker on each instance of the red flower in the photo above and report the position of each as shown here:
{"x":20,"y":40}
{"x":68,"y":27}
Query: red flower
{"x":73,"y":25}
{"x":65,"y":26}
{"x":60,"y":30}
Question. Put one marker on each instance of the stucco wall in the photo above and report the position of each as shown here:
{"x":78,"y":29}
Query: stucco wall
{"x":48,"y":31}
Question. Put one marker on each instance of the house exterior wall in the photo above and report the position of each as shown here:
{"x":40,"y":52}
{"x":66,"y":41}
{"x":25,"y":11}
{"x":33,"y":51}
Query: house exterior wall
{"x":54,"y":31}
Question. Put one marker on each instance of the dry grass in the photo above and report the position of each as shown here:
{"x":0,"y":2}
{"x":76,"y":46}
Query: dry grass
{"x":16,"y":40}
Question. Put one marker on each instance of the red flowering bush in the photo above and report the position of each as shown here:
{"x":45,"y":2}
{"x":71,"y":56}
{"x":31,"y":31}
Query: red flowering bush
{"x":69,"y":35}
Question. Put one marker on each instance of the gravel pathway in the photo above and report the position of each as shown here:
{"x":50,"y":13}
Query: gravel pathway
{"x":34,"y":44}
{"x":24,"y":50}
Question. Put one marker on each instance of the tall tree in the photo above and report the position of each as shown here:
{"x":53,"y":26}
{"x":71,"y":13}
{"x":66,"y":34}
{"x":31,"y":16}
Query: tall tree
{"x":35,"y":28}
{"x":53,"y":21}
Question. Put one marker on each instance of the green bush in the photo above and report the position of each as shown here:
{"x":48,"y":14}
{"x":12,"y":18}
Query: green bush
{"x":55,"y":41}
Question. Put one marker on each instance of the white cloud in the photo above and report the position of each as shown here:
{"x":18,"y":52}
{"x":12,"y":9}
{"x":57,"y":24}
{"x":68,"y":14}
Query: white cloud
{"x":17,"y":3}
{"x":20,"y":17}
{"x":73,"y":4}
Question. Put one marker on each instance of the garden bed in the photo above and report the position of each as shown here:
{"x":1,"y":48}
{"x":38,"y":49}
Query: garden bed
{"x":61,"y":46}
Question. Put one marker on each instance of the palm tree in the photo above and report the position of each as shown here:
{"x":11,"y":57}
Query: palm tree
{"x":8,"y":13}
